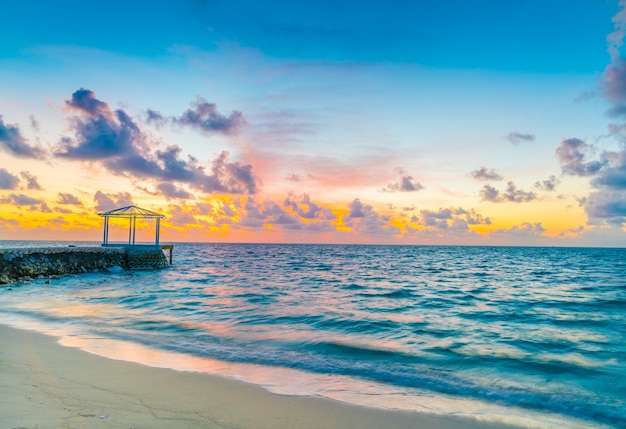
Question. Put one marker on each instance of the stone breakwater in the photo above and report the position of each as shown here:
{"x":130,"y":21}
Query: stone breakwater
{"x":23,"y":264}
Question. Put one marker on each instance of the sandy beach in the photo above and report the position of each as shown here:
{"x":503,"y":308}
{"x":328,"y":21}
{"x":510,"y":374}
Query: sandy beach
{"x":46,"y":385}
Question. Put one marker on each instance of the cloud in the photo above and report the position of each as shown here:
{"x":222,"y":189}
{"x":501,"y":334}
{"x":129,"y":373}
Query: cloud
{"x":517,"y":138}
{"x":205,"y":117}
{"x":609,"y":206}
{"x":69,"y":199}
{"x":525,"y":233}
{"x":613,"y":173}
{"x":170,"y":191}
{"x":453,"y":218}
{"x":307,"y":209}
{"x":296,"y":213}
{"x":155,"y":118}
{"x":510,"y":194}
{"x":357,"y":209}
{"x":406,"y":184}
{"x":100,"y":133}
{"x":31,"y":180}
{"x":106,"y":202}
{"x":178,"y":216}
{"x":613,"y":81}
{"x":363,"y":220}
{"x":572,"y":158}
{"x":20,"y":200}
{"x":112,"y":138}
{"x":483,"y":174}
{"x":43,"y":208}
{"x":12,"y":142}
{"x":294,"y":177}
{"x":548,"y":185}
{"x":7,"y":180}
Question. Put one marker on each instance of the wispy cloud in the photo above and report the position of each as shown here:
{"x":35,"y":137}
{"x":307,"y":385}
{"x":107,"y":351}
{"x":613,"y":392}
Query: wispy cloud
{"x":517,"y":138}
{"x":20,"y":200}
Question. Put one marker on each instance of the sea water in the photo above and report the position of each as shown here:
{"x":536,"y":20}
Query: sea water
{"x":522,"y":335}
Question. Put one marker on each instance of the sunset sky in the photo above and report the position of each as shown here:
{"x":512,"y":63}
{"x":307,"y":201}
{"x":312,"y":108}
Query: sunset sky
{"x":408,"y":122}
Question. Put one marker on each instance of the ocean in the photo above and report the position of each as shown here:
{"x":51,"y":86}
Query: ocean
{"x":529,"y":336}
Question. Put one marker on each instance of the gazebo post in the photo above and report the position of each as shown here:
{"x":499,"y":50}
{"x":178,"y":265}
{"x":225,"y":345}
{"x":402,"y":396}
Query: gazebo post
{"x":106,"y":225}
{"x":158,"y":228}
{"x":134,"y":228}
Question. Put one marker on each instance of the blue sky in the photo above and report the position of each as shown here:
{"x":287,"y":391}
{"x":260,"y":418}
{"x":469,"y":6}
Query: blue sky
{"x":462,"y":122}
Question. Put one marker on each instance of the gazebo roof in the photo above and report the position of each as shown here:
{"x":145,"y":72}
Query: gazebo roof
{"x":131,"y":212}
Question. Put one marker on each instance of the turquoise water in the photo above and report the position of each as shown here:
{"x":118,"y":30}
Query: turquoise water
{"x":531,"y":336}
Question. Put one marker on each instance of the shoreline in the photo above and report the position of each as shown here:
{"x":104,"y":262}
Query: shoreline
{"x":47,"y":385}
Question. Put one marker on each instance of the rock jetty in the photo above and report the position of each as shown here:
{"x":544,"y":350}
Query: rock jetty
{"x":30,"y":263}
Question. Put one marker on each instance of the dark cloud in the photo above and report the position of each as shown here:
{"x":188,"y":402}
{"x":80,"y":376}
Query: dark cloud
{"x":205,"y":117}
{"x":510,"y":194}
{"x":170,"y":191}
{"x":548,"y":185}
{"x":100,"y":133}
{"x":613,"y":175}
{"x":483,"y":174}
{"x":12,"y":142}
{"x":85,"y":100}
{"x":112,"y":138}
{"x":69,"y":199}
{"x":572,"y":157}
{"x":294,"y":178}
{"x":7,"y":180}
{"x":105,"y":202}
{"x":31,"y":180}
{"x":20,"y":200}
{"x":608,"y":206}
{"x":406,"y":183}
{"x":517,"y":138}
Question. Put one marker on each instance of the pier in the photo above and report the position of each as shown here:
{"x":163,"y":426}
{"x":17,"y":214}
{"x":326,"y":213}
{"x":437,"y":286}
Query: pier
{"x":18,"y":264}
{"x":30,"y":263}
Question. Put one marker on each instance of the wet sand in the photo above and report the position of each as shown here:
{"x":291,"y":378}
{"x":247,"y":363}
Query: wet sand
{"x":46,"y":385}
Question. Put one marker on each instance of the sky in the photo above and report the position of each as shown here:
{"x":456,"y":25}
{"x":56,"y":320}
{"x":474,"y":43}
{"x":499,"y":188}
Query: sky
{"x":398,"y":122}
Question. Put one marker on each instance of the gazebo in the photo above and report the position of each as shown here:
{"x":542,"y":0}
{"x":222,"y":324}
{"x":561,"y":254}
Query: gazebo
{"x":132,"y":213}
